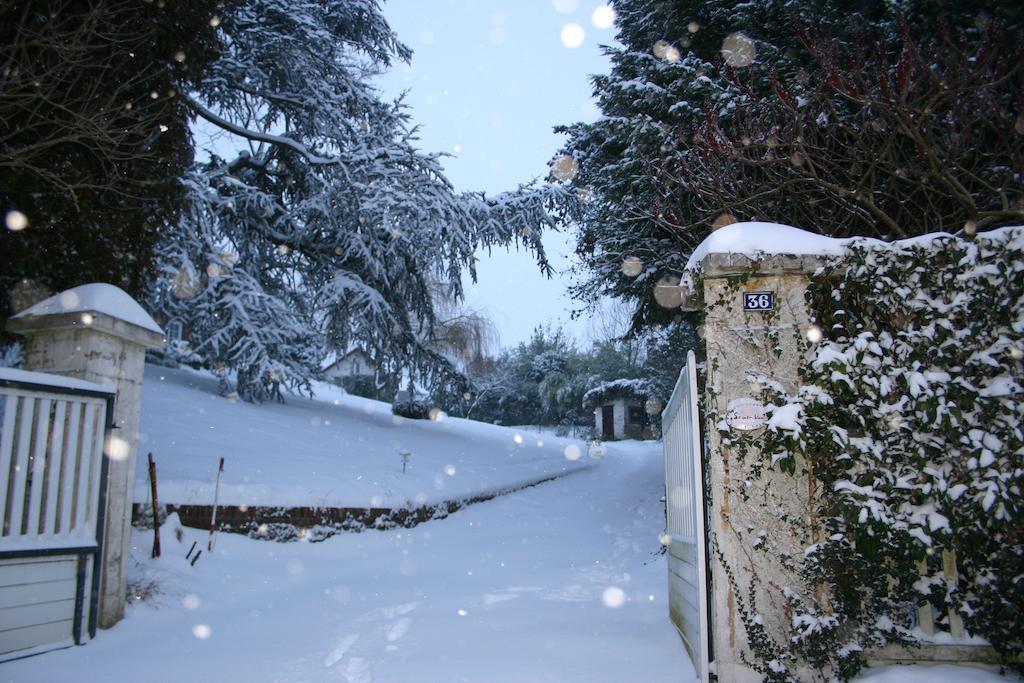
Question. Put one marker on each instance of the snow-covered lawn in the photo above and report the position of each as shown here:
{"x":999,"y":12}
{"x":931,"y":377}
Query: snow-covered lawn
{"x":560,"y":582}
{"x":335,"y":451}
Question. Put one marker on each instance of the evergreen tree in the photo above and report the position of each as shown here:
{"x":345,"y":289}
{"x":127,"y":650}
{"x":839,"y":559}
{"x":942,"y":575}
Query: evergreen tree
{"x":94,"y":137}
{"x":329,"y":211}
{"x":647,"y":166}
{"x":665,"y":356}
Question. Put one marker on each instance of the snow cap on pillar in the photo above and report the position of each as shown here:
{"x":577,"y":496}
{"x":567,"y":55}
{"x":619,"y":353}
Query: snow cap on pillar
{"x":99,"y":306}
{"x":756,"y":247}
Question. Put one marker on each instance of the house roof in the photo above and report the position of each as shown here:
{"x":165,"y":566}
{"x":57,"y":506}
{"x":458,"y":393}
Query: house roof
{"x":357,"y":351}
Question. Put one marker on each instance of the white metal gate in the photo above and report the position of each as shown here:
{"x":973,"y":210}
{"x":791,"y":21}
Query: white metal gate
{"x":52,"y":495}
{"x":684,"y":502}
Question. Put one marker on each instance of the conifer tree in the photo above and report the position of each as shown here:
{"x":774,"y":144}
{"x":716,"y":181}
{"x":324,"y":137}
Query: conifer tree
{"x":328,"y":219}
{"x":655,"y":170}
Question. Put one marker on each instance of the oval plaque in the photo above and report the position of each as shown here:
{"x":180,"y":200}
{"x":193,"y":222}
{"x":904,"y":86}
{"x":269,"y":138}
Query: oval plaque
{"x":745,"y":414}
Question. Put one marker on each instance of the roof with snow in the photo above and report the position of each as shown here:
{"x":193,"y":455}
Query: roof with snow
{"x":97,"y":297}
{"x":636,"y":389}
{"x":333,"y":359}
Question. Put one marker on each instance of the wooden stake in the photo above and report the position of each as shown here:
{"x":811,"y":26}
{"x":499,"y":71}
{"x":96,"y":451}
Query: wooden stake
{"x":156,"y":507}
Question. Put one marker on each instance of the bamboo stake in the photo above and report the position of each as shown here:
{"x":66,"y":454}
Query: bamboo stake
{"x":213,"y":517}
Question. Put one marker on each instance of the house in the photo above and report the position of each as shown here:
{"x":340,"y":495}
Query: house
{"x":619,"y":409}
{"x":353,"y":364}
{"x":358,"y":374}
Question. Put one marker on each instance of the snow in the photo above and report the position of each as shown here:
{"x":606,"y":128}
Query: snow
{"x":755,"y":238}
{"x":560,"y":582}
{"x":59,"y":381}
{"x":618,"y":388}
{"x":335,"y":451}
{"x":939,"y":673}
{"x":519,"y":588}
{"x":97,"y":297}
{"x":788,"y":418}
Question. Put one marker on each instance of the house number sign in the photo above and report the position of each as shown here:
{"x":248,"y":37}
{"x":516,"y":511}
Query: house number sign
{"x":758,"y":301}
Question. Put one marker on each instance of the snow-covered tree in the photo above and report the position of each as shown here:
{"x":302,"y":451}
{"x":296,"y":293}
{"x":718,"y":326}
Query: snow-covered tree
{"x":665,"y":351}
{"x":924,"y":135}
{"x":328,"y":213}
{"x":537,"y":382}
{"x":647,"y":168}
{"x":664,"y":78}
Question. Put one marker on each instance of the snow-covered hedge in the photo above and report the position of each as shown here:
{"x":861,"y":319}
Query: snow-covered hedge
{"x":910,"y":417}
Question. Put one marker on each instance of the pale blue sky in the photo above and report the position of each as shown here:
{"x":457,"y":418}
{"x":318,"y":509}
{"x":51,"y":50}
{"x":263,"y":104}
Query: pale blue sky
{"x":487,"y":83}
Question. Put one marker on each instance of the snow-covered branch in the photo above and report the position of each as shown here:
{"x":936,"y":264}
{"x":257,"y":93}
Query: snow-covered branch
{"x":258,"y":136}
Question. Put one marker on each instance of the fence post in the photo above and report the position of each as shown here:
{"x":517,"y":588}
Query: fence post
{"x":99,"y":333}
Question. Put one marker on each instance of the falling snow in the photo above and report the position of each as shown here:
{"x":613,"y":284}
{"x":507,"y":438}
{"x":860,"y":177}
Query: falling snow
{"x":572,"y":35}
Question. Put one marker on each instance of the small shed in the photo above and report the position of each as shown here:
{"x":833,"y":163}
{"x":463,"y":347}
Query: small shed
{"x":619,"y":411}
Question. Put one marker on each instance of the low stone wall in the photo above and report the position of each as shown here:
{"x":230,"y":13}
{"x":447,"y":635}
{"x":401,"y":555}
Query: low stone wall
{"x":278,"y":523}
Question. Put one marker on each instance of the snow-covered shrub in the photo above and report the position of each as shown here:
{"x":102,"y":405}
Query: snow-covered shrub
{"x":412,"y":408}
{"x":361,"y":385}
{"x":910,"y":419}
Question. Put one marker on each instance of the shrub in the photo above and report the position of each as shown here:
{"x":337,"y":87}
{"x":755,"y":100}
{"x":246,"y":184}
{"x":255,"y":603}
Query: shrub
{"x":414,"y":408}
{"x":910,"y":418}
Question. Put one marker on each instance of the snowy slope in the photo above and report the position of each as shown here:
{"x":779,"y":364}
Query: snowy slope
{"x":561,"y":582}
{"x":337,"y":451}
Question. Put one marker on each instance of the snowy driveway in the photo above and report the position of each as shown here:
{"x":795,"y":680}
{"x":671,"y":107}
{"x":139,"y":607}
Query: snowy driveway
{"x":560,"y":582}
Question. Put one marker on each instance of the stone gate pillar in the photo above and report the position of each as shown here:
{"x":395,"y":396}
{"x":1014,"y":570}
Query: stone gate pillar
{"x":747,"y":512}
{"x":99,"y":333}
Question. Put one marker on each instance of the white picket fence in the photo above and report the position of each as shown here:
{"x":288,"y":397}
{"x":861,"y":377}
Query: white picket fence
{"x":52,"y":495}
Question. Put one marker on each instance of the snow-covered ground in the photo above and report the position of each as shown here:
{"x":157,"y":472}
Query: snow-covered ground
{"x":940,"y":673}
{"x":560,"y":582}
{"x":337,"y":450}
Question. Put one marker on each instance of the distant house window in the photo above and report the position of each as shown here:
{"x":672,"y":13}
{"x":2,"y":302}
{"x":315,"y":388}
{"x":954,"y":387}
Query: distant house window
{"x":174,"y":331}
{"x":636,"y":415}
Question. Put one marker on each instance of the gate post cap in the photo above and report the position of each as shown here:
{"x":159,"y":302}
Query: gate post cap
{"x":99,"y":306}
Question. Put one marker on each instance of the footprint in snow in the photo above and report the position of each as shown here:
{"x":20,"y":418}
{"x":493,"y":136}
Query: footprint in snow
{"x":495,"y":598}
{"x":571,"y":593}
{"x":398,"y":629}
{"x":338,"y":653}
{"x":398,"y":610}
{"x":358,"y":671}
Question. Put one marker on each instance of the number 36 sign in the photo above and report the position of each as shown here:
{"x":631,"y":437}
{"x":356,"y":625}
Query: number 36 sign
{"x":758,"y":301}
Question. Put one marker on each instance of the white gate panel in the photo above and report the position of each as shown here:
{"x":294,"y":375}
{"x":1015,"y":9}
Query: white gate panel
{"x":52,"y":492}
{"x":684,"y":503}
